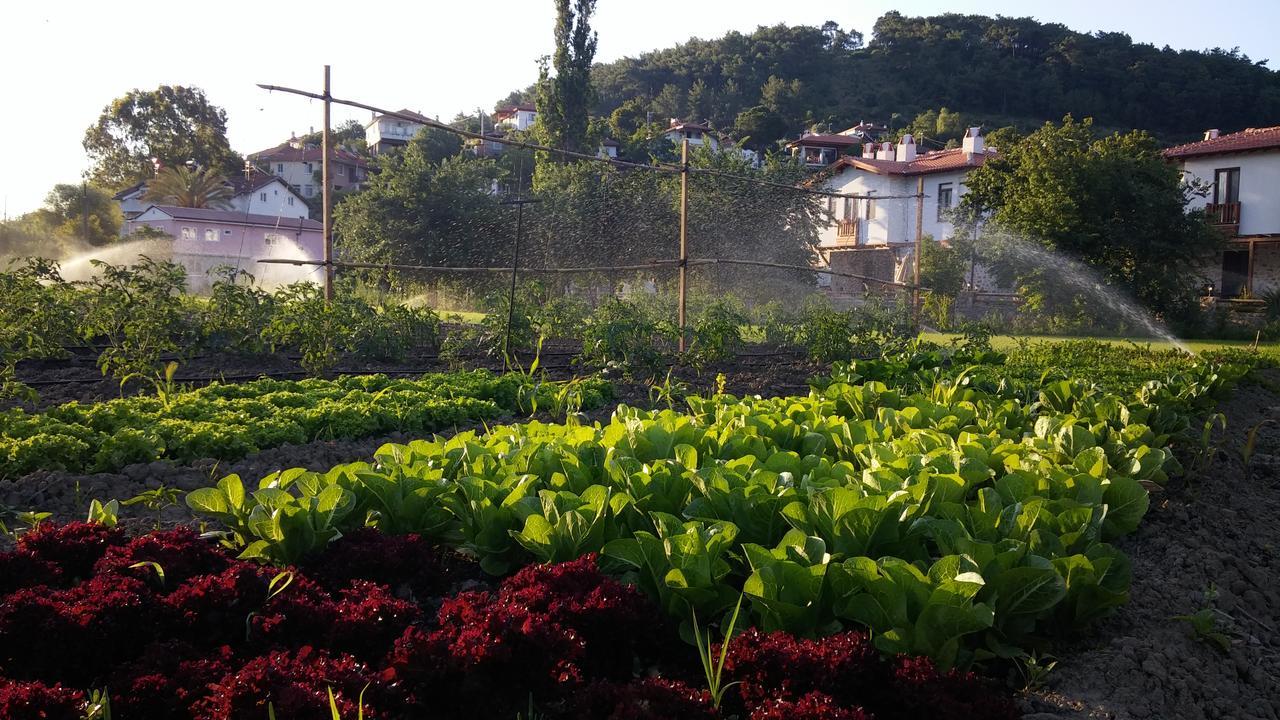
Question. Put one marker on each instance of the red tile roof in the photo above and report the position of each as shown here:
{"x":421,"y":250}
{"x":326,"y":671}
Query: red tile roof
{"x":285,"y":152}
{"x":826,"y":140}
{"x":1267,"y":138}
{"x":510,"y":110}
{"x":924,"y":164}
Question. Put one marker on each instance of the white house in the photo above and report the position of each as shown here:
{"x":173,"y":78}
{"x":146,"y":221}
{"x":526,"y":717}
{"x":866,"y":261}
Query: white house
{"x":695,"y":133}
{"x":875,"y":236}
{"x":515,"y":117}
{"x":259,"y":194}
{"x":299,"y":166}
{"x":384,"y":132}
{"x":1240,"y":173}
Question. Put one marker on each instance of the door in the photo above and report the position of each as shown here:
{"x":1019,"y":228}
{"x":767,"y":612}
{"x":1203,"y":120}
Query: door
{"x":1235,"y":272}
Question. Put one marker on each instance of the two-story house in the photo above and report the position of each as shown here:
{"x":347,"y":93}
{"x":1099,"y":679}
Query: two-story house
{"x":904,"y":192}
{"x":385,"y":132}
{"x":1241,"y":173}
{"x":205,"y":239}
{"x":818,"y":150}
{"x":696,"y":133}
{"x":259,"y":194}
{"x":298,"y":165}
{"x":515,"y":117}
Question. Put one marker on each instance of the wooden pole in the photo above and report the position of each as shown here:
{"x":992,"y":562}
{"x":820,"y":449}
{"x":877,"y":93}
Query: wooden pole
{"x":326,"y":193}
{"x":1249,"y":283}
{"x":684,"y":234}
{"x":915,"y":292}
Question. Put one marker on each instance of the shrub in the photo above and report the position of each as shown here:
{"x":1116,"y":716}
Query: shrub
{"x":620,"y":333}
{"x":717,"y":334}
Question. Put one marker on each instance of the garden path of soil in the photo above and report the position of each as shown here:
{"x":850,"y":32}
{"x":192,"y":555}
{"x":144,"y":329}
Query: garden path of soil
{"x":1220,"y":528}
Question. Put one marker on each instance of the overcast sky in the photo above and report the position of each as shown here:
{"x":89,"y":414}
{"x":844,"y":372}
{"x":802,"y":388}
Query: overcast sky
{"x":63,"y":61}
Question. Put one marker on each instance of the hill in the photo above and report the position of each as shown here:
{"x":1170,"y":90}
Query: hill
{"x":997,"y":71}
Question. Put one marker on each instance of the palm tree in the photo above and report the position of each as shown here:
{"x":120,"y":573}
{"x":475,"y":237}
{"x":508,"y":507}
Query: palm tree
{"x":193,"y":188}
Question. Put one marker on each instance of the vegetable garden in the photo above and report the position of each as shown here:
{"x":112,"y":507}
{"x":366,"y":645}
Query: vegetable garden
{"x":920,"y":533}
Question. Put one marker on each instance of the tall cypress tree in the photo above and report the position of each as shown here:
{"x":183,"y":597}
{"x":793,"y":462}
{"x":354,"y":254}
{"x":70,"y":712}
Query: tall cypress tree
{"x":564,"y":100}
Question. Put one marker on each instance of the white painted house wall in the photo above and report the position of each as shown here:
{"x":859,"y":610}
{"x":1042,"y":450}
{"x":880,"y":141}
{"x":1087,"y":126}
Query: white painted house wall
{"x":394,"y":130}
{"x":1259,"y":187}
{"x":893,"y":218}
{"x":274,"y":198}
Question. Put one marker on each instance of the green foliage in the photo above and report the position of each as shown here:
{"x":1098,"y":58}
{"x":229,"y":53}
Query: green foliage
{"x":621,"y":333}
{"x":173,"y":124}
{"x":193,"y":187}
{"x":808,"y":75}
{"x":87,"y":213}
{"x":1112,"y":203}
{"x":717,"y":333}
{"x":230,"y":421}
{"x":953,"y":513}
{"x":138,"y":310}
{"x":565,"y":97}
{"x":713,"y":667}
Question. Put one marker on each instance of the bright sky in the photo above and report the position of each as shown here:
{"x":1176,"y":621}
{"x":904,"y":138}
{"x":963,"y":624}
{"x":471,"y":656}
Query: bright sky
{"x":63,"y":61}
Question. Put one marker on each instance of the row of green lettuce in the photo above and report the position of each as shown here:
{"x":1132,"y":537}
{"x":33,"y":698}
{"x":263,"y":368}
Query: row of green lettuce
{"x":228,"y":422}
{"x":954,"y":521}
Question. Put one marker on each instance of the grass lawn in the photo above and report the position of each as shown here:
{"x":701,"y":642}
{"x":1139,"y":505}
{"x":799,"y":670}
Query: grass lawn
{"x":1005,"y":342}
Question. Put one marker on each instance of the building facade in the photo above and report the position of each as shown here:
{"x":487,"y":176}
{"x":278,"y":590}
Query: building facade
{"x":204,"y":240}
{"x":298,"y":165}
{"x":383,"y":132}
{"x":515,"y":117}
{"x":258,"y":194}
{"x":902,"y":192}
{"x":1236,"y":178}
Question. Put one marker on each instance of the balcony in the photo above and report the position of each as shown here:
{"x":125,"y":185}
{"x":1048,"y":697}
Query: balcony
{"x":1225,"y":216}
{"x":848,"y":232}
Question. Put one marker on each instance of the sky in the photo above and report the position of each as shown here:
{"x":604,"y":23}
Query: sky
{"x":64,"y":61}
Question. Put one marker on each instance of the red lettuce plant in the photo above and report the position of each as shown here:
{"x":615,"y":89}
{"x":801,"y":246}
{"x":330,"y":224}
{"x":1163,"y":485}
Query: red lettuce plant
{"x":167,"y":679}
{"x":73,"y":547}
{"x":180,"y":553}
{"x":405,"y":563}
{"x":37,"y":701}
{"x":22,"y":569}
{"x":811,"y":706}
{"x":647,"y":699}
{"x":295,"y":682}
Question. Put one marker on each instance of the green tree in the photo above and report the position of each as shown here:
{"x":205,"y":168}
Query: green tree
{"x":190,"y":187}
{"x":760,"y":127}
{"x":348,"y":134}
{"x":1110,"y":202}
{"x":172,"y":123}
{"x":421,"y":208}
{"x":82,"y":211}
{"x":564,"y":100}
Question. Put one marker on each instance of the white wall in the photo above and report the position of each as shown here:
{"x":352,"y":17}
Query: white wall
{"x":278,"y":201}
{"x":894,"y":220}
{"x":1259,"y":187}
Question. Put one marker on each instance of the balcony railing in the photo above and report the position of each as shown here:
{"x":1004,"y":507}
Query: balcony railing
{"x":847,"y":232}
{"x":1223,"y":213}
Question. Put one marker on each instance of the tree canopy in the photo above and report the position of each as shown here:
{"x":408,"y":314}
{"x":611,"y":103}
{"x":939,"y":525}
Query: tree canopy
{"x":996,"y":71}
{"x":564,"y":98}
{"x":173,"y":124}
{"x":1109,"y":202}
{"x":190,"y":187}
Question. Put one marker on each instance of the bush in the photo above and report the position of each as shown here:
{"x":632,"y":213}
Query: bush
{"x":717,"y":334}
{"x":621,"y":333}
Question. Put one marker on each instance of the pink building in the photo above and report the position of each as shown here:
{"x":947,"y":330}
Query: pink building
{"x":204,"y":239}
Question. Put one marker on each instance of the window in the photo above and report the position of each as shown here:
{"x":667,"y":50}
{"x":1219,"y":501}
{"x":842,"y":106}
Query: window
{"x":291,"y":200}
{"x":188,"y":233}
{"x":848,"y":209}
{"x":280,"y":168}
{"x":272,"y":239}
{"x":1226,"y":186}
{"x":308,"y":191}
{"x":831,"y":206}
{"x":262,"y":197}
{"x":308,"y":167}
{"x":945,"y":191}
{"x":211,"y":235}
{"x":351,"y":173}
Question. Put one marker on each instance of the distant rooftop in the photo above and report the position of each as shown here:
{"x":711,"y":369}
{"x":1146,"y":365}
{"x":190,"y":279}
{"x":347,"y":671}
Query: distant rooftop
{"x":1267,"y":138}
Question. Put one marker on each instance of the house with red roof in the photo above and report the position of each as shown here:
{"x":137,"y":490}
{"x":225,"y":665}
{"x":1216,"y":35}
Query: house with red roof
{"x":819,"y":150}
{"x":1238,"y":175}
{"x":875,"y":235}
{"x":259,"y":193}
{"x":298,"y":164}
{"x":515,"y":117}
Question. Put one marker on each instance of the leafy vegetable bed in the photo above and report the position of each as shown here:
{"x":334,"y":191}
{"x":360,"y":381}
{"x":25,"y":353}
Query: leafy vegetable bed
{"x":227,"y":422}
{"x":173,"y":627}
{"x":960,"y":523}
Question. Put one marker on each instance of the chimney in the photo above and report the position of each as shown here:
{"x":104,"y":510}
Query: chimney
{"x":886,"y":151}
{"x":869,"y":150}
{"x":1212,"y":134}
{"x":973,"y":143}
{"x":906,"y":151}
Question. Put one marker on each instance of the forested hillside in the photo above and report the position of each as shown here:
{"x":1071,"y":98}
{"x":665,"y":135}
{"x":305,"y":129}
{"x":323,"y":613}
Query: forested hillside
{"x":778,"y":80}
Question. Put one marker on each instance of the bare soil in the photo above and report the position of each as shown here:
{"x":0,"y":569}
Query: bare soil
{"x":1216,"y":532}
